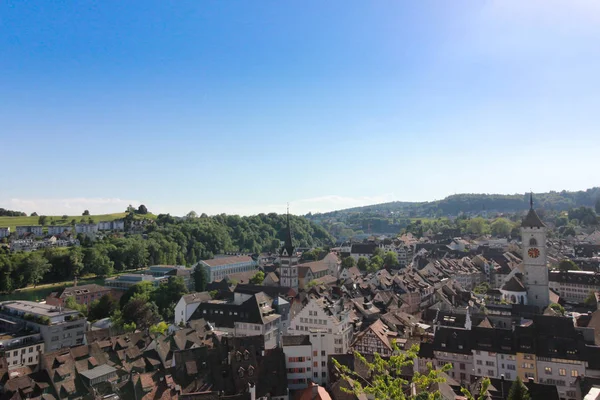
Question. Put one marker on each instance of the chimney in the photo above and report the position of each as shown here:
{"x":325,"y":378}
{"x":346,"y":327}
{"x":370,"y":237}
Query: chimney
{"x":315,"y":390}
{"x":74,"y":281}
{"x":530,"y":379}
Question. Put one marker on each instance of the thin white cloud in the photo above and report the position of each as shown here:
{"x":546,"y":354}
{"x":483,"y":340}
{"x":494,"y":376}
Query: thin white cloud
{"x":71,"y":206}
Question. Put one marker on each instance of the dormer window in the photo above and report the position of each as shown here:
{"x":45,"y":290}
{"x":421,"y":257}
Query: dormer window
{"x":246,"y":355}
{"x":241,"y":372}
{"x":238,"y":356}
{"x":250,"y":371}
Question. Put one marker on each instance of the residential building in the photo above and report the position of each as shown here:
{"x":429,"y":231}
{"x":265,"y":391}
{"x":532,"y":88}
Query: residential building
{"x":35,"y":230}
{"x":125,"y":281}
{"x":219,"y":268}
{"x":22,"y":348}
{"x":362,"y":250}
{"x":244,"y":315}
{"x":59,"y":327}
{"x":4,"y":231}
{"x":328,"y":324}
{"x":187,"y":305}
{"x":377,"y":338}
{"x":298,"y":359}
{"x":116,"y":225}
{"x":84,"y":294}
{"x":310,"y":271}
{"x":288,"y":261}
{"x":574,"y":286}
{"x":59,"y":229}
{"x":86,"y":229}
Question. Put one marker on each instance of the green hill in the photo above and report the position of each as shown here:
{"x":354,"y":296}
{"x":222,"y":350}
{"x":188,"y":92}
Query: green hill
{"x":13,"y":222}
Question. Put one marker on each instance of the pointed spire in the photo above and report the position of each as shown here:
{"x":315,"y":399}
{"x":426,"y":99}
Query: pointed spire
{"x":531,"y":200}
{"x":288,"y":246}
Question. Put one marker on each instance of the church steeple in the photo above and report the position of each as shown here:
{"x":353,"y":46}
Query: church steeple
{"x":531,"y":200}
{"x":532,"y":220}
{"x":288,"y":246}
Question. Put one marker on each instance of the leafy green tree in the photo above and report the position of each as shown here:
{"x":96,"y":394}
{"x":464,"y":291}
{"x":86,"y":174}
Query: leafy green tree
{"x":482,"y":288}
{"x":42,"y":220}
{"x":65,"y":217}
{"x":375,"y":264}
{"x":142,"y":209}
{"x":142,"y":290}
{"x":130,"y":209}
{"x":33,"y":214}
{"x":386,"y":381}
{"x":143,"y":313}
{"x":584,"y":215}
{"x":200,"y":277}
{"x":86,"y":212}
{"x":192,"y":214}
{"x":378,"y":252}
{"x":518,"y":391}
{"x":71,"y":303}
{"x":35,"y":268}
{"x":348,"y":262}
{"x":597,"y":206}
{"x":160,"y":328}
{"x":568,"y":265}
{"x":390,"y":260}
{"x":363,"y":263}
{"x":558,"y":308}
{"x":501,"y":227}
{"x":258,"y":278}
{"x":167,"y":295}
{"x":477,"y":226}
{"x":590,"y":301}
{"x":104,"y":307}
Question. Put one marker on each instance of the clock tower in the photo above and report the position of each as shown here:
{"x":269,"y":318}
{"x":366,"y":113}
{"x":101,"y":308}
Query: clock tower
{"x":535,"y":268}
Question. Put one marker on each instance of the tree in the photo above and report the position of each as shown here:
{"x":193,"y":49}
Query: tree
{"x":160,"y":328}
{"x":558,"y":308}
{"x":142,"y":209}
{"x":378,"y":252}
{"x":482,"y":288}
{"x":501,"y":227}
{"x":597,"y":206}
{"x":35,"y":268}
{"x":65,"y":217}
{"x":71,"y":303}
{"x":590,"y":301}
{"x":258,"y":278}
{"x":568,"y":265}
{"x":518,"y":391}
{"x":42,"y":220}
{"x":363,"y":263}
{"x":167,"y":295}
{"x":34,"y":214}
{"x":375,"y":264}
{"x":142,"y":313}
{"x":86,"y":212}
{"x":104,"y":307}
{"x":192,"y":214}
{"x":142,"y":290}
{"x":477,"y":226}
{"x":200,"y":278}
{"x":584,"y":215}
{"x":348,"y":262}
{"x":390,"y":260}
{"x":386,"y":382}
{"x":130,"y":209}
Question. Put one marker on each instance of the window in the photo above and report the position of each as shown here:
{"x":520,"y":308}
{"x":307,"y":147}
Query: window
{"x":533,"y":242}
{"x":562,"y":372}
{"x":315,"y":353}
{"x":491,"y":372}
{"x":322,"y":353}
{"x":548,"y":370}
{"x":323,"y":363}
{"x":316,"y":374}
{"x":462,"y":366}
{"x":574,"y":373}
{"x":479,"y":362}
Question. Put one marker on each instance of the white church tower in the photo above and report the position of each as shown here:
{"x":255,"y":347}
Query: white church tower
{"x":535,"y":268}
{"x":288,"y":261}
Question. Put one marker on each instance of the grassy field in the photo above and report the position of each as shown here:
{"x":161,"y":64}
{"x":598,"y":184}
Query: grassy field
{"x":39,"y":293}
{"x":13,"y":222}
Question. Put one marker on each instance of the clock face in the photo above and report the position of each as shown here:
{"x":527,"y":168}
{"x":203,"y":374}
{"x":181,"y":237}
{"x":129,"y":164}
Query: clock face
{"x":533,"y":252}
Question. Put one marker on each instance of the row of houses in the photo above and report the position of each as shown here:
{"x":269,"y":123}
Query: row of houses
{"x":84,"y":228}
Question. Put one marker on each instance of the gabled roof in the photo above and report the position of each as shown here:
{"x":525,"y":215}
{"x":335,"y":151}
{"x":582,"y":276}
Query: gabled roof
{"x":513,"y":285}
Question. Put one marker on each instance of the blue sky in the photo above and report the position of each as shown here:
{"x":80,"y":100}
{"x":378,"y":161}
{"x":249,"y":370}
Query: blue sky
{"x":241,"y":107}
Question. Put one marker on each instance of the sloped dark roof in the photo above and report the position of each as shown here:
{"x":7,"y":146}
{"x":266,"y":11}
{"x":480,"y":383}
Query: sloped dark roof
{"x":296,"y":340}
{"x":288,"y":248}
{"x":513,"y":285}
{"x":532,"y":220}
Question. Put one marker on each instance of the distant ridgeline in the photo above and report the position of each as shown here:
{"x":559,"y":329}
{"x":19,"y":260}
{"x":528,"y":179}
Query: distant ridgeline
{"x":476,"y":204}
